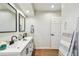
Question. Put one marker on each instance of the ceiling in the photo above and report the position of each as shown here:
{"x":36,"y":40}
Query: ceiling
{"x":33,"y":7}
{"x":47,"y":7}
{"x":24,"y":7}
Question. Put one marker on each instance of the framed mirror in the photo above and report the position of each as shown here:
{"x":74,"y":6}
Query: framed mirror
{"x":21,"y":23}
{"x":8,"y":18}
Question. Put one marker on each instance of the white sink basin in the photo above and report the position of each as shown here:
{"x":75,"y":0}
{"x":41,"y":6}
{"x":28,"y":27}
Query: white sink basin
{"x":16,"y":48}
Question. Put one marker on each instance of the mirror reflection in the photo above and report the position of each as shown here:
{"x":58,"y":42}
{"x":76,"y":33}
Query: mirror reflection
{"x":7,"y":18}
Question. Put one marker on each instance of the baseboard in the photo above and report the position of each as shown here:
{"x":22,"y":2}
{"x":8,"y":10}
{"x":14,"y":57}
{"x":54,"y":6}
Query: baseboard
{"x":47,"y":49}
{"x":43,"y":48}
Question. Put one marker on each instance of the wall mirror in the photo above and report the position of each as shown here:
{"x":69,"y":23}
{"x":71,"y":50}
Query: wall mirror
{"x":21,"y":23}
{"x":8,"y":18}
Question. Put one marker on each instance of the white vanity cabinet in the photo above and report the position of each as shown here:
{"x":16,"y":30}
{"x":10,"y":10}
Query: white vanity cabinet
{"x":27,"y":51}
{"x":19,"y":48}
{"x":30,"y":47}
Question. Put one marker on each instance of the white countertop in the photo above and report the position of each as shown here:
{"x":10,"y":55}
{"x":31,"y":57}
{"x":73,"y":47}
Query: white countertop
{"x":16,"y":48}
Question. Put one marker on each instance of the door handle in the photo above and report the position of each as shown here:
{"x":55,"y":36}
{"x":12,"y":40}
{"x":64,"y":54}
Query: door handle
{"x":52,"y":34}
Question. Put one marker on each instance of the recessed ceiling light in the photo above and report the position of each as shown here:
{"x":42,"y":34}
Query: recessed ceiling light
{"x":52,"y":6}
{"x":27,"y":11}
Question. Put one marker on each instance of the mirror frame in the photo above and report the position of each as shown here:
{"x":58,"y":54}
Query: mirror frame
{"x":15,"y":20}
{"x":20,"y":15}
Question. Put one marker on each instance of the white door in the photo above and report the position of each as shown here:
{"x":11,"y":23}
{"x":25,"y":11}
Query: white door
{"x":55,"y":33}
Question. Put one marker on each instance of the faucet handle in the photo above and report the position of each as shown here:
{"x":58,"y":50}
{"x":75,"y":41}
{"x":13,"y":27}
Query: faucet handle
{"x":20,"y":36}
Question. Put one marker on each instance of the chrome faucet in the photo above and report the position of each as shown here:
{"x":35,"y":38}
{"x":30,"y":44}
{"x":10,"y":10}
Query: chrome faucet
{"x":12,"y":39}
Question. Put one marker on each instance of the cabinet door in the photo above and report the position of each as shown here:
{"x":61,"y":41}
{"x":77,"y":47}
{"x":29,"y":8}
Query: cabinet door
{"x":31,"y":45}
{"x":25,"y":52}
{"x":28,"y":50}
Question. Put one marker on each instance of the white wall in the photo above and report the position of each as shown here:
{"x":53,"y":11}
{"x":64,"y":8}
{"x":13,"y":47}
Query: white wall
{"x":70,"y":12}
{"x":41,"y":24}
{"x":70,"y":9}
{"x":52,"y":14}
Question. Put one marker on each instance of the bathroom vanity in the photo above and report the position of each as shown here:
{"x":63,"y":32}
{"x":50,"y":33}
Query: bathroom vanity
{"x":19,"y":48}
